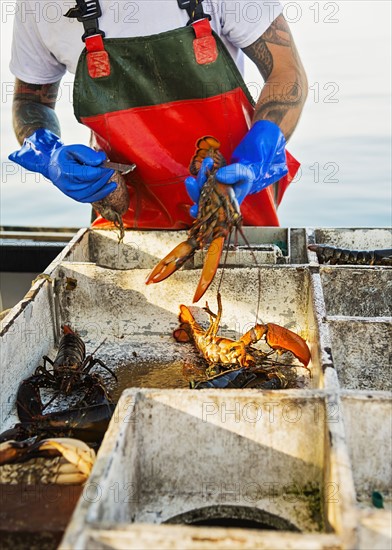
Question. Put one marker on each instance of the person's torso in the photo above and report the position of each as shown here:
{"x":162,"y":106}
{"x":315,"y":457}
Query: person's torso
{"x":121,"y":19}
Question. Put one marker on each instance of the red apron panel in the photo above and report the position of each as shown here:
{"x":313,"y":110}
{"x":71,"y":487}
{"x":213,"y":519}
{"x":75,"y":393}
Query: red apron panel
{"x":162,"y":156}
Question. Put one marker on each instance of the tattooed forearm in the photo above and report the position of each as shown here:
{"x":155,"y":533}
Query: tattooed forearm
{"x":285,"y":89}
{"x":281,"y":104}
{"x":260,"y":54}
{"x":33,"y":108}
{"x":28,"y":117}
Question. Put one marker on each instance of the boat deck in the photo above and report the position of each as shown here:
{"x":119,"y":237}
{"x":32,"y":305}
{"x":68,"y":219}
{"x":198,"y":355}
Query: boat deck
{"x":305,"y":460}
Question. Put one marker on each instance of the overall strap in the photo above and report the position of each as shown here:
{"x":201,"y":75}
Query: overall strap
{"x":204,"y":45}
{"x":88,"y":12}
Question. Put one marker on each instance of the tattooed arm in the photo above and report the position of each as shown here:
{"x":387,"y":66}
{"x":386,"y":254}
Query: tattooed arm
{"x":33,"y":108}
{"x":285,"y":89}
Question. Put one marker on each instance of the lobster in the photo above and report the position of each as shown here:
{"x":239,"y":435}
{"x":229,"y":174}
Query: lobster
{"x":87,"y":423}
{"x":236,"y":378}
{"x":334,"y":255}
{"x":218,"y":213}
{"x":71,"y":372}
{"x":241,"y":378}
{"x":33,"y":461}
{"x":218,"y":350}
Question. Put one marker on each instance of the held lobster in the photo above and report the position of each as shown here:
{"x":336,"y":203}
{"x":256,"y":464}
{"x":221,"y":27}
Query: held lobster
{"x":70,"y":373}
{"x":219,"y":350}
{"x":218,"y":213}
{"x":334,"y":255}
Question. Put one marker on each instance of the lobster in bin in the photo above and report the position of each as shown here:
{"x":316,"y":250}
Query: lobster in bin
{"x":70,"y":373}
{"x":238,"y":354}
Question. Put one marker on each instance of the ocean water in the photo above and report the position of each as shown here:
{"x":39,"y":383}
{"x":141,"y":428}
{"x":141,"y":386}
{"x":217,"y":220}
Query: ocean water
{"x":342,"y":141}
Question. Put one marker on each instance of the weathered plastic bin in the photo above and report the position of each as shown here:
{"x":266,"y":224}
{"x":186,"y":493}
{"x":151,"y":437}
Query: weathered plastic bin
{"x":218,"y":460}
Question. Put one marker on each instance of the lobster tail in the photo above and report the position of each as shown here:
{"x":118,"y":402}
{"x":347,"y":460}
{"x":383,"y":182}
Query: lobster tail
{"x":188,"y":326}
{"x":181,"y":335}
{"x":185,"y":315}
{"x":207,"y":146}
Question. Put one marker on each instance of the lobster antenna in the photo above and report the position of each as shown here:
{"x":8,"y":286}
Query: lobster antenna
{"x":239,"y":228}
{"x":51,"y":401}
{"x":99,"y":345}
{"x":258,"y":269}
{"x":224,"y":261}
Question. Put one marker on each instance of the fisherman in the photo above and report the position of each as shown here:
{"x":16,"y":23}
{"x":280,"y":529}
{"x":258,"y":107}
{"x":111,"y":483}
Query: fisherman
{"x":152,"y":78}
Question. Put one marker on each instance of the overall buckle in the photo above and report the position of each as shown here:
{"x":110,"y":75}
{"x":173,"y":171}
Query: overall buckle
{"x":194,"y":9}
{"x":87,"y":12}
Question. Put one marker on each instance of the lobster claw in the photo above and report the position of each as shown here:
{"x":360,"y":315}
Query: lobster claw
{"x":280,"y":339}
{"x":209,"y":268}
{"x":183,"y":252}
{"x":172,"y":261}
{"x":28,"y":400}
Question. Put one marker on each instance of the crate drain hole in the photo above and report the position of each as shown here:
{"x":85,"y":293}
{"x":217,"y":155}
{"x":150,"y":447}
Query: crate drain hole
{"x":233,"y":516}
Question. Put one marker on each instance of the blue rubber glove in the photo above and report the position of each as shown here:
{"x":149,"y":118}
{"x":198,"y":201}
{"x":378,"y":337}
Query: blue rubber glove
{"x":258,"y":161}
{"x":74,"y":169}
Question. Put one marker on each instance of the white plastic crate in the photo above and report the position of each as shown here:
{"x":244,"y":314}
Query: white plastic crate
{"x":218,"y":457}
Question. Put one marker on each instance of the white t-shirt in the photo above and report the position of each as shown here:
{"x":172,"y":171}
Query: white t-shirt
{"x":46,"y":44}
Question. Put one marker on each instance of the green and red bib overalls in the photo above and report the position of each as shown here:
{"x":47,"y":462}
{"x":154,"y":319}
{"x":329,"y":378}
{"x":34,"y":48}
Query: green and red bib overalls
{"x":148,"y":100}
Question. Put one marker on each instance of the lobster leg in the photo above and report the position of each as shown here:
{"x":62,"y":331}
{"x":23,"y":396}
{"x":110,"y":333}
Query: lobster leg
{"x":47,"y":379}
{"x":280,"y":339}
{"x":47,"y":360}
{"x":214,"y":319}
{"x":90,"y":362}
